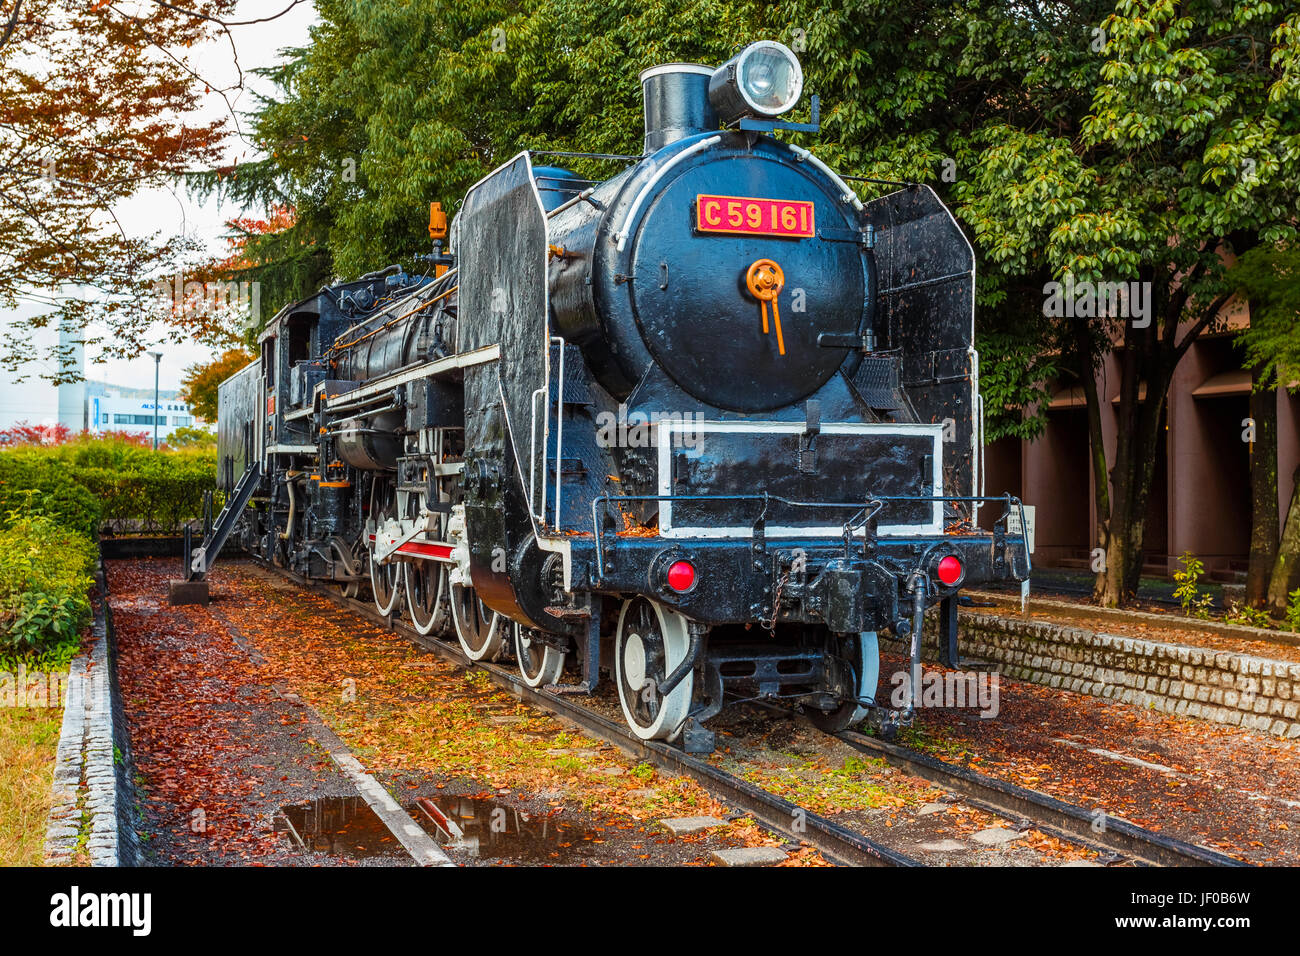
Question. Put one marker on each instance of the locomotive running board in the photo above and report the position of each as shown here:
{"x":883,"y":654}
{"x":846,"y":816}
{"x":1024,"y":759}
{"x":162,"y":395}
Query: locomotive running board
{"x":427,"y":370}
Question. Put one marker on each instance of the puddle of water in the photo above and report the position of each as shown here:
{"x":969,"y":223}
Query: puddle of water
{"x":486,"y":829}
{"x":339,"y":826}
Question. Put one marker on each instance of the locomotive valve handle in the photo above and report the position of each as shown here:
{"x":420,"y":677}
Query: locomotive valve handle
{"x":765,"y":280}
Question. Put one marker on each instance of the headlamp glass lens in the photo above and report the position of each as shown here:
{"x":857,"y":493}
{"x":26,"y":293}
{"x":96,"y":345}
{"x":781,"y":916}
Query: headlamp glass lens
{"x":771,"y":79}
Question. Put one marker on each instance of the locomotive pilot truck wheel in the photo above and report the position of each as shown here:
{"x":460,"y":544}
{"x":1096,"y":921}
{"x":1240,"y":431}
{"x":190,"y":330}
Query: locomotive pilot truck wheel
{"x":863,"y":652}
{"x":651,"y":641}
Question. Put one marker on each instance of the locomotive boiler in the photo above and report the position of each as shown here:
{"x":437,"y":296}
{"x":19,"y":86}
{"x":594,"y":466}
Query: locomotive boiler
{"x":710,"y":426}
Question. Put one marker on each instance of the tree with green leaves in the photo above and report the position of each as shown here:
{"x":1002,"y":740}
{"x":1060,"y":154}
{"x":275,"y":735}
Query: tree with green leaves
{"x":1269,"y":276}
{"x":1078,"y":142}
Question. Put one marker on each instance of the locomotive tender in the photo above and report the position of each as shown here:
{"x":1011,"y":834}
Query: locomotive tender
{"x":712,"y":423}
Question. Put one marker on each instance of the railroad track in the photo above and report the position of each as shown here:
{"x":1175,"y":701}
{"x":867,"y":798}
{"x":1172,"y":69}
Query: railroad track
{"x":1065,"y":820}
{"x":838,"y":844}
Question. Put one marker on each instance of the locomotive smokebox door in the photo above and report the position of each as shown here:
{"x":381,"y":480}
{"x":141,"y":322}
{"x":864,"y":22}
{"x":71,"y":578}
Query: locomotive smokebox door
{"x":501,"y":255}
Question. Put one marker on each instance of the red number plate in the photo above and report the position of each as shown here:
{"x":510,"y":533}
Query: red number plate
{"x":755,"y":217}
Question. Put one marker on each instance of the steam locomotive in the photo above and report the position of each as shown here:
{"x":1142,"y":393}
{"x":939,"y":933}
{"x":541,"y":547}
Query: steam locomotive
{"x":710,"y":425}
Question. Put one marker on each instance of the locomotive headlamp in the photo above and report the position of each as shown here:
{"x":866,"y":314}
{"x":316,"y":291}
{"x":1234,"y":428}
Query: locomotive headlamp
{"x":763,"y":80}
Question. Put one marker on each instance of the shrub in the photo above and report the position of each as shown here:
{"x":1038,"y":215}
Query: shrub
{"x":1194,"y":602}
{"x":110,"y":484}
{"x":1293,"y":611}
{"x":35,"y":484}
{"x":1248,"y":616}
{"x":186,"y":438}
{"x":46,"y":572}
{"x":158,"y":494}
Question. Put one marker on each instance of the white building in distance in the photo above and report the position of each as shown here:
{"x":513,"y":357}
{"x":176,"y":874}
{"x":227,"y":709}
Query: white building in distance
{"x":115,"y":412}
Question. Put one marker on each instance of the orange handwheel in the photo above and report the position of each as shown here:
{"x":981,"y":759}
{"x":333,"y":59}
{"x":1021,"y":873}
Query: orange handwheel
{"x":765,"y":280}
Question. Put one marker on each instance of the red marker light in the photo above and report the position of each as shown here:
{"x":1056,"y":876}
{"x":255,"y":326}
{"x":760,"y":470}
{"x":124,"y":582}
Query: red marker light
{"x":681,"y":575}
{"x":949,"y":570}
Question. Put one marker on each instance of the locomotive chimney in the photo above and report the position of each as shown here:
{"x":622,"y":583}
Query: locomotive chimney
{"x":677,"y":104}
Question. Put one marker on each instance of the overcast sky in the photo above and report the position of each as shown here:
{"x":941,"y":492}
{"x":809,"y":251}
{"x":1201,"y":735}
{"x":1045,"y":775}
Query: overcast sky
{"x":170,"y":210}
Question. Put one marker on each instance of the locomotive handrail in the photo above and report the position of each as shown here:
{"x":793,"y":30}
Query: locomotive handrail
{"x":639,"y":201}
{"x":559,"y":429}
{"x":598,"y":535}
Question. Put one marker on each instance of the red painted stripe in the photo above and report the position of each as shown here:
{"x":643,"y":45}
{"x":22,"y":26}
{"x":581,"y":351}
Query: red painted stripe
{"x":426,"y":550}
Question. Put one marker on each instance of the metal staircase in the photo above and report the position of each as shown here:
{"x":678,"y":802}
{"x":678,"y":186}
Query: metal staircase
{"x":201,"y":561}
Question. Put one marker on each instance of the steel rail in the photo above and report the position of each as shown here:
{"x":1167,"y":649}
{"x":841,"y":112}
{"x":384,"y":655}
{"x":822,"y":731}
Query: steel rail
{"x":1074,"y":823}
{"x":837,"y":843}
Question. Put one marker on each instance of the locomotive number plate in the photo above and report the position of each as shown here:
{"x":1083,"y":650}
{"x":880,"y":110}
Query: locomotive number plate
{"x":788,"y":218}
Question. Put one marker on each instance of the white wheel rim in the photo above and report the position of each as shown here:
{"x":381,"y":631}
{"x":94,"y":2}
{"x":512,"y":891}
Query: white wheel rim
{"x":551,"y":667}
{"x":492,"y":644}
{"x":668,"y":722}
{"x":384,"y":608}
{"x":436,"y":617}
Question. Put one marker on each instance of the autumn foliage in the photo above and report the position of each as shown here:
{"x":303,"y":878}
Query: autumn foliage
{"x":96,"y":103}
{"x":199,"y":384}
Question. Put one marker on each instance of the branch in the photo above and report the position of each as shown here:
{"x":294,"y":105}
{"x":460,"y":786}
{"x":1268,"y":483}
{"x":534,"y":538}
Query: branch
{"x":227,"y":23}
{"x":12,"y":24}
{"x":1199,"y":326}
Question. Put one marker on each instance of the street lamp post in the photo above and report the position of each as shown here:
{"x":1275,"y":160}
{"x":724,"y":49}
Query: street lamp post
{"x":157,"y":361}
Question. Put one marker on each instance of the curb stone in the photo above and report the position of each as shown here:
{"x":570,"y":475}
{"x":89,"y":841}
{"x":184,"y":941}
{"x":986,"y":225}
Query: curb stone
{"x":93,"y":793}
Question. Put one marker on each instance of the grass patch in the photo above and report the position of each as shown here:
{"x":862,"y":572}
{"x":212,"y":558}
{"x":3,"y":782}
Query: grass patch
{"x":822,"y":788}
{"x":919,"y":738}
{"x":28,"y":741}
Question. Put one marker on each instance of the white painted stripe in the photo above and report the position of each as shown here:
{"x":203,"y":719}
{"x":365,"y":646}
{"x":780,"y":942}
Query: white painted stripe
{"x":423,"y":848}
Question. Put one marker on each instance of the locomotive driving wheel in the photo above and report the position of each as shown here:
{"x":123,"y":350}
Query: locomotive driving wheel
{"x":539,"y":664}
{"x":650,"y":642}
{"x":426,"y":583}
{"x":481,"y":631}
{"x":385,"y":579}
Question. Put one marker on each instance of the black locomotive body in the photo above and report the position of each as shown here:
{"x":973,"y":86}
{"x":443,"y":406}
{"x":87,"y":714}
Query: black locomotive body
{"x":712,"y":423}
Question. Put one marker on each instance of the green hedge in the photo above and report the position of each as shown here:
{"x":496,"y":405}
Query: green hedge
{"x":109,"y":485}
{"x":36,"y":486}
{"x":46,"y":573}
{"x":155,"y":497}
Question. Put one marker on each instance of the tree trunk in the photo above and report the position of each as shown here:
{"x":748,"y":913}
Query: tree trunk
{"x":1097,"y":449}
{"x":1286,"y":569}
{"x":1138,"y":430}
{"x":1264,"y":528}
{"x":1125,"y":556}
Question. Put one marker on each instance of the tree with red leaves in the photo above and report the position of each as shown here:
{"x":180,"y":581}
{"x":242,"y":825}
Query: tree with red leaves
{"x":96,"y":103}
{"x":25,"y":433}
